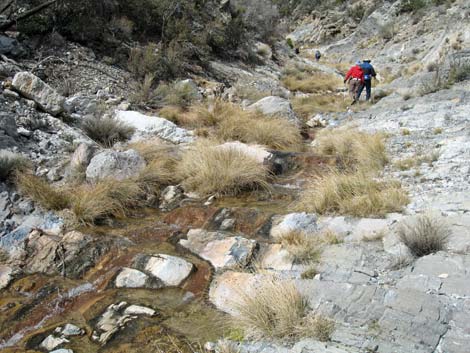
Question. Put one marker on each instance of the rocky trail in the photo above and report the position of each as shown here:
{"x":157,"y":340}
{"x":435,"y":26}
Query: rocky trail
{"x":176,"y":271}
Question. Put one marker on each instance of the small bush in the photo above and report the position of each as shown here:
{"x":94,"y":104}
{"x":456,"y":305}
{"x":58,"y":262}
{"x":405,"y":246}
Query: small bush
{"x":387,"y":31}
{"x":106,"y":129}
{"x":207,"y":169}
{"x":424,"y":235}
{"x":303,"y":248}
{"x":10,"y":163}
{"x":353,"y":150}
{"x":178,"y":94}
{"x":274,"y":310}
{"x":318,"y":327}
{"x":412,"y":5}
{"x":42,"y":193}
{"x":459,"y":73}
{"x":144,"y":92}
{"x":309,"y":273}
{"x":355,"y":194}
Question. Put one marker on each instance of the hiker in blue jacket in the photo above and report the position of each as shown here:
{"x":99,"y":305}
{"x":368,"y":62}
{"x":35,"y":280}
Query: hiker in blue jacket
{"x":369,"y":72}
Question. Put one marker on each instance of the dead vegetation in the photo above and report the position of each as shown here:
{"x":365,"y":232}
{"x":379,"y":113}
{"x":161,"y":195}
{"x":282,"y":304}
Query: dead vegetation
{"x":353,"y":150}
{"x":356,"y":194}
{"x":302,"y":247}
{"x":274,"y":310}
{"x":207,"y":169}
{"x":10,"y":163}
{"x":424,"y":234}
{"x":307,"y":79}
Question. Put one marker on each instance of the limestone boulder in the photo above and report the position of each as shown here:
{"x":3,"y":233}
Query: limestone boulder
{"x":32,"y":87}
{"x":115,"y":318}
{"x":276,"y":106}
{"x":6,"y":275}
{"x":294,"y":222}
{"x":114,"y":164}
{"x":152,"y":126}
{"x":168,"y":270}
{"x":132,"y":278}
{"x":82,"y":156}
{"x":222,"y":250}
{"x":227,"y":289}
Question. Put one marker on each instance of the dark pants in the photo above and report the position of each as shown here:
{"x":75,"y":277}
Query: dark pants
{"x":368,"y":85}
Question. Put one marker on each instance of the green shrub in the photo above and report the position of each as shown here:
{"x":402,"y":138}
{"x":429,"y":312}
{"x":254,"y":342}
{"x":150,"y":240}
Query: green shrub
{"x":412,"y":5}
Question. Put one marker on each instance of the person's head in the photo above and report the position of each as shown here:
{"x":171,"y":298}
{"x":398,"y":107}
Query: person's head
{"x":358,"y":63}
{"x":366,"y":61}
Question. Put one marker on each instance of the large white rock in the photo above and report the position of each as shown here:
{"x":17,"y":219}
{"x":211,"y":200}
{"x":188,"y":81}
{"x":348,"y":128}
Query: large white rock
{"x":51,"y":342}
{"x":227,"y":289}
{"x":32,"y":87}
{"x":139,"y":310}
{"x":257,"y":152}
{"x":6,"y":275}
{"x":221,"y":250}
{"x":114,"y":164}
{"x":275,"y":257}
{"x":294,"y":222}
{"x":146,"y":126}
{"x":171,"y":270}
{"x":131,"y":278}
{"x":276,"y":106}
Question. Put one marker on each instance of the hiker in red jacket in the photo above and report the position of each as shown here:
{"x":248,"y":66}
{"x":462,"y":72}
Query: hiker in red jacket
{"x":355,"y":76}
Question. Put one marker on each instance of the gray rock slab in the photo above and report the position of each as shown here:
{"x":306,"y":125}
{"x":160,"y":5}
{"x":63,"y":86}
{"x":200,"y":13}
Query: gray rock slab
{"x":32,"y":87}
{"x":114,"y":164}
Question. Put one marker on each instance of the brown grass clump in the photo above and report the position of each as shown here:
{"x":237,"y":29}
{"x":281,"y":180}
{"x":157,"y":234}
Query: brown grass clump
{"x":253,"y":127}
{"x":302,"y":247}
{"x":353,"y":150}
{"x":354,"y":194}
{"x":10,"y":163}
{"x":206,"y":169}
{"x":274,"y":310}
{"x":42,"y":193}
{"x":318,"y":327}
{"x":318,"y":103}
{"x":308,"y":80}
{"x":107,"y":198}
{"x":424,"y":235}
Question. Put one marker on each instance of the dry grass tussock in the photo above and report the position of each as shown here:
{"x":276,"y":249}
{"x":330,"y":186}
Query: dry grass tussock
{"x":206,"y":169}
{"x":354,"y":194}
{"x":424,"y":235}
{"x":274,"y":310}
{"x":308,"y":80}
{"x":41,"y":192}
{"x":253,"y":127}
{"x":107,"y":198}
{"x":229,"y":122}
{"x":353,"y":150}
{"x":302,"y":247}
{"x":10,"y":163}
{"x":277,"y":310}
{"x":106,"y":129}
{"x":89,"y":203}
{"x":318,"y":103}
{"x":316,"y":326}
